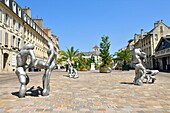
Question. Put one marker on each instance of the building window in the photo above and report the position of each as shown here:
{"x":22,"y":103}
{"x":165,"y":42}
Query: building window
{"x":17,"y":26}
{"x":7,"y":2}
{"x":13,"y":40}
{"x":14,"y":22}
{"x":0,"y":15}
{"x":14,"y":7}
{"x":18,"y":42}
{"x":161,"y":29}
{"x":163,"y":45}
{"x":156,"y":37}
{"x":19,"y":12}
{"x":25,"y":17}
{"x":6,"y":39}
{"x":27,"y":32}
{"x":0,"y":36}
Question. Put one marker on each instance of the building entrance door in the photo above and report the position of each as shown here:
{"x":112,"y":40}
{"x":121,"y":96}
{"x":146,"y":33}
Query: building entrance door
{"x":164,"y":63}
{"x":5,"y":61}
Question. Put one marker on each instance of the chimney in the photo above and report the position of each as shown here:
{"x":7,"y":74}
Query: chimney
{"x":135,"y":38}
{"x":142,"y":33}
{"x":27,"y":10}
{"x":39,"y":22}
{"x":156,"y":23}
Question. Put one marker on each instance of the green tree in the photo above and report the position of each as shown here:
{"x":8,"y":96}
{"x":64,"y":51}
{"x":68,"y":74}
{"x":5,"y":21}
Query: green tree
{"x":69,"y":54}
{"x":124,"y":56}
{"x":104,"y":52}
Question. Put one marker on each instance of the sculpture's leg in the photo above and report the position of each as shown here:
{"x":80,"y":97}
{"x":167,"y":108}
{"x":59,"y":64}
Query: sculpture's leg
{"x":71,"y":73}
{"x":153,"y":80}
{"x":46,"y":80}
{"x":138,"y":80}
{"x":27,"y":79}
{"x":23,"y":81}
{"x":76,"y":75}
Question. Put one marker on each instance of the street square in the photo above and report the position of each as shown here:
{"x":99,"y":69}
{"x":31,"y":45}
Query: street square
{"x":91,"y":92}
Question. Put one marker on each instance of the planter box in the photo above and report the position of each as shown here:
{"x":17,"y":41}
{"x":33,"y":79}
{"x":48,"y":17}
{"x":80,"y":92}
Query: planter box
{"x":125,"y":68}
{"x":103,"y":70}
{"x":83,"y":69}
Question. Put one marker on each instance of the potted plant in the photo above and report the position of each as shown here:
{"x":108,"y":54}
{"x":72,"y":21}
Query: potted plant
{"x":104,"y":54}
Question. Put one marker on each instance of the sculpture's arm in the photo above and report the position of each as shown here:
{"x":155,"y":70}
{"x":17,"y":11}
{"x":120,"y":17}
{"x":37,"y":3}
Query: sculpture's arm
{"x":33,"y":59}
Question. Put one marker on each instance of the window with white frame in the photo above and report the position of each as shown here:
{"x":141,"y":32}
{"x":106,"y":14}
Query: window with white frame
{"x":14,"y":7}
{"x":13,"y":41}
{"x":25,"y":17}
{"x":19,"y":12}
{"x":7,"y":2}
{"x":14,"y":23}
{"x":6,"y":38}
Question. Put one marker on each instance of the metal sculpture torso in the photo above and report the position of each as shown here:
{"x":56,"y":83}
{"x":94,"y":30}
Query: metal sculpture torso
{"x":140,"y":71}
{"x":72,"y":71}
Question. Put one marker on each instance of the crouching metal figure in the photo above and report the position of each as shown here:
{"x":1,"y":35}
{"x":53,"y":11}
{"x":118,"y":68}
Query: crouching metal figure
{"x":140,"y":71}
{"x":72,"y":71}
{"x":22,"y":65}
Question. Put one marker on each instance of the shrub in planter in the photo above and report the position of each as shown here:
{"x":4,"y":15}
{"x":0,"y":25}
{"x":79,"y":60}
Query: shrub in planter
{"x":104,"y":54}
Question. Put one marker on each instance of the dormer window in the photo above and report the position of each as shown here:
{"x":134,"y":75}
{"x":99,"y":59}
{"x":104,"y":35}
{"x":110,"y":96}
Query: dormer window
{"x":163,"y":45}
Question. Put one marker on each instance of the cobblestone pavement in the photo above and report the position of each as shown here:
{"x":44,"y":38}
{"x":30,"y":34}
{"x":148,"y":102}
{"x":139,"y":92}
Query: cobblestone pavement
{"x":92,"y":92}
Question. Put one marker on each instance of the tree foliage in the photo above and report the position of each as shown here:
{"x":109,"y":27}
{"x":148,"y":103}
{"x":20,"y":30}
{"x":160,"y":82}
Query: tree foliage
{"x":69,"y":54}
{"x":104,"y":51}
{"x":124,"y":55}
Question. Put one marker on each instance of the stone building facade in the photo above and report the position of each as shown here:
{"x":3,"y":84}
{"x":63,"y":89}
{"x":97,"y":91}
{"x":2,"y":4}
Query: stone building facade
{"x":148,"y":41}
{"x":16,"y":29}
{"x":95,"y":53}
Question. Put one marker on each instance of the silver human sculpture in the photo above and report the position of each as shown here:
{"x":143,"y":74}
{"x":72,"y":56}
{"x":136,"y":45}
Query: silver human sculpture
{"x":140,"y":71}
{"x":48,"y":66}
{"x":72,"y":71}
{"x":22,"y":65}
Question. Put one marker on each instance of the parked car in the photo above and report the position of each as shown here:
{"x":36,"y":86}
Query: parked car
{"x":56,"y":67}
{"x":62,"y":67}
{"x":34,"y":69}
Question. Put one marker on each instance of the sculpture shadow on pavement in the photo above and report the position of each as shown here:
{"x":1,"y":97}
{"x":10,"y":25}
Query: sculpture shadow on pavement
{"x":34,"y":92}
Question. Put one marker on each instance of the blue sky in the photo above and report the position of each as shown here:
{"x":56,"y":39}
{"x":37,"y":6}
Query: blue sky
{"x":82,"y":23}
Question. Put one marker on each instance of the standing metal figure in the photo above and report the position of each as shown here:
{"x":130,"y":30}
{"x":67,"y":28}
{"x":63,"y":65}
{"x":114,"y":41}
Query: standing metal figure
{"x":22,"y":65}
{"x":50,"y":64}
